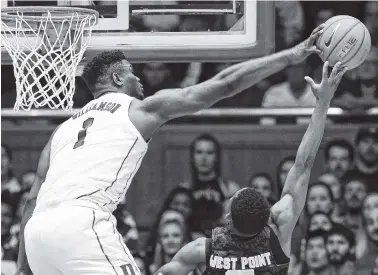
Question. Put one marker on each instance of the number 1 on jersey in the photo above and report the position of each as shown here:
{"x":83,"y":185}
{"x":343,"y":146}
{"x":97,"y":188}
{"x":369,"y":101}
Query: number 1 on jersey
{"x":83,"y":132}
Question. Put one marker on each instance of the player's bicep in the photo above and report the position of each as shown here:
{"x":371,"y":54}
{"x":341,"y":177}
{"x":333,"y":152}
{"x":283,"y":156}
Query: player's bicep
{"x":172,"y":103}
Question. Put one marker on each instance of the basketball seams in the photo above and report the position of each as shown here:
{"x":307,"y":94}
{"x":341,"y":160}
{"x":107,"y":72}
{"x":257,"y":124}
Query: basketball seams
{"x":359,"y":48}
{"x":325,"y":29}
{"x":341,"y":39}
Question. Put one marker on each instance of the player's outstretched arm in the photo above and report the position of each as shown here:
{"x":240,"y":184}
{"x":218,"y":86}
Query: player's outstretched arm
{"x":43,"y":166}
{"x":285,"y":213}
{"x":172,"y":103}
{"x":187,"y":259}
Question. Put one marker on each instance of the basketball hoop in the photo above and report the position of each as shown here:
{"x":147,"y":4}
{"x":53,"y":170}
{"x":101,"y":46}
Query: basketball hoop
{"x":46,"y":44}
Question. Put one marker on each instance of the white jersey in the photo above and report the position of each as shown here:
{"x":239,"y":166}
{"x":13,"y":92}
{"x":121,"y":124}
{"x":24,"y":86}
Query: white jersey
{"x":94,"y":155}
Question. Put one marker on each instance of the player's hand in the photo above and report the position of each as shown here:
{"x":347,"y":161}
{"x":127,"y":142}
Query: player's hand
{"x":325,"y":90}
{"x":307,"y":47}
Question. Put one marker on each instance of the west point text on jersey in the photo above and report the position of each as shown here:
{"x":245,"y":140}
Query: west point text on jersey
{"x":245,"y":262}
{"x":101,"y":106}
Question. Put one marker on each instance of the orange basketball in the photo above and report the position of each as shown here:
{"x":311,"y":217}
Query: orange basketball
{"x":344,"y":39}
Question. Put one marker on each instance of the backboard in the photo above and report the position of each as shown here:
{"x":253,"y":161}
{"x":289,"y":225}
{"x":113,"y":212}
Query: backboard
{"x":176,"y":31}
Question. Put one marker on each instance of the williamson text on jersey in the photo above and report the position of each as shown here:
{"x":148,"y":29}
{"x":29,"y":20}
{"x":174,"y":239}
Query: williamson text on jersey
{"x":100,"y":106}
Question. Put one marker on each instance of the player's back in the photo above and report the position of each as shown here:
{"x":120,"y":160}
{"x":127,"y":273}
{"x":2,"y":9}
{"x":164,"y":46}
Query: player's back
{"x":228,"y":254}
{"x":94,"y":155}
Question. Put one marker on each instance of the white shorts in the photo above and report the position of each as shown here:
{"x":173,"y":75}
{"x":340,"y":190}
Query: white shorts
{"x":73,"y":240}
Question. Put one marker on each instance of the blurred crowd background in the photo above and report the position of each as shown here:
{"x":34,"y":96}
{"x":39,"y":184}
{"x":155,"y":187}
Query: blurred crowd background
{"x":338,"y":230}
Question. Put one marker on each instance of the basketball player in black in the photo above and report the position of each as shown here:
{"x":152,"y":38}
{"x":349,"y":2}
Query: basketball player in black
{"x":257,"y":238}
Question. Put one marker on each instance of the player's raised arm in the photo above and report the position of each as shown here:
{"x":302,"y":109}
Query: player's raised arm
{"x":285,"y":213}
{"x":43,"y":166}
{"x":187,"y":259}
{"x":171,"y":103}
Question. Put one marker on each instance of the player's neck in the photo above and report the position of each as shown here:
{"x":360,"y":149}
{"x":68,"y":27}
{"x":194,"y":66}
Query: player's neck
{"x":100,"y":91}
{"x":207,"y":177}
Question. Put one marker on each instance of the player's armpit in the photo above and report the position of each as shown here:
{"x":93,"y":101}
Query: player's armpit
{"x":188,"y":258}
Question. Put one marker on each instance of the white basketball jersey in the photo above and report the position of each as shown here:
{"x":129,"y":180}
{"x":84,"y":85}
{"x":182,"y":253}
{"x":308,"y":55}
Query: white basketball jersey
{"x":94,"y":155}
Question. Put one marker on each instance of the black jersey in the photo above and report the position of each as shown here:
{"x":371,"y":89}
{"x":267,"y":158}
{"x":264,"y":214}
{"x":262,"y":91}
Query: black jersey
{"x":227,"y":254}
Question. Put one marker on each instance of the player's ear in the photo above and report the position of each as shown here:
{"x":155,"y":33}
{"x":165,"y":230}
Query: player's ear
{"x":117,"y":79}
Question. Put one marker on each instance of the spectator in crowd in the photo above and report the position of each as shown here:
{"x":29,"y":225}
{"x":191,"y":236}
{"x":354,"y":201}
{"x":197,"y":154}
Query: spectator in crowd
{"x":142,"y":263}
{"x":263,"y":183}
{"x":295,"y":92}
{"x":354,"y":195}
{"x":366,"y":160}
{"x":9,"y":241}
{"x":339,"y":156}
{"x":153,"y":247}
{"x":211,"y":192}
{"x":9,"y":182}
{"x":323,"y":14}
{"x":319,"y":220}
{"x":340,"y":244}
{"x":319,"y":198}
{"x":333,"y":182}
{"x":127,"y":227}
{"x":316,"y":254}
{"x":181,"y":200}
{"x":370,"y":203}
{"x":157,"y":76}
{"x":171,"y":237}
{"x":359,"y":88}
{"x":283,"y":169}
{"x":368,"y":262}
{"x":371,"y":22}
{"x":291,"y":18}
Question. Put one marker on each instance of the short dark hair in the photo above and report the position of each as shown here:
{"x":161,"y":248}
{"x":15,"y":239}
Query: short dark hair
{"x":339,"y":229}
{"x":352,"y":175}
{"x":250,"y":211}
{"x":339,"y":143}
{"x":318,"y":233}
{"x":97,"y":69}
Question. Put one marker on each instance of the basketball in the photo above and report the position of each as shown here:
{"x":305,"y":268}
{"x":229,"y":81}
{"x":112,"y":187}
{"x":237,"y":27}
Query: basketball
{"x":344,"y":39}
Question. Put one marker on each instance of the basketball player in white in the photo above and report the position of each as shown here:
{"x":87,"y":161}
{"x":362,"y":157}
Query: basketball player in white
{"x":90,"y":160}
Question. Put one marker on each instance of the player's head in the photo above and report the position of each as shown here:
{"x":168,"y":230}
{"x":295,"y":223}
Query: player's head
{"x":249,"y":212}
{"x":110,"y":71}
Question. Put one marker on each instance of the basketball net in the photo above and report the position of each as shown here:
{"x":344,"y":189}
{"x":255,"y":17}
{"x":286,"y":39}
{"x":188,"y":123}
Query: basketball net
{"x":45,"y":53}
